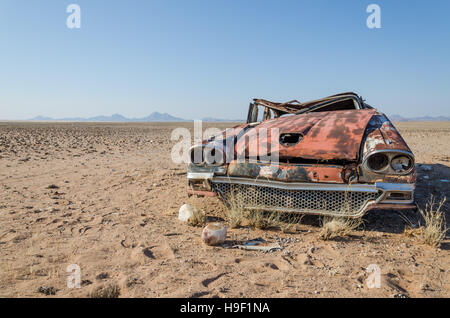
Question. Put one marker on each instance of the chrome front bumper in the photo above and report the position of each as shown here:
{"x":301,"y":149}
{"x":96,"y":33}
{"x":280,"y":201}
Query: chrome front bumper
{"x":309,"y":198}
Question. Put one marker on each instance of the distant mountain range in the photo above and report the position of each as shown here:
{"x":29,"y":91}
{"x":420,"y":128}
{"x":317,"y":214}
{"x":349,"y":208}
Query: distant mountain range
{"x":158,"y":117}
{"x":154,"y":117}
{"x":423,"y":118}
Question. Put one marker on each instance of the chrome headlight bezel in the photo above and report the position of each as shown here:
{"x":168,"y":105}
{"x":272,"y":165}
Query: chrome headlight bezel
{"x":390,"y":155}
{"x":409,"y":167}
{"x":379,"y":158}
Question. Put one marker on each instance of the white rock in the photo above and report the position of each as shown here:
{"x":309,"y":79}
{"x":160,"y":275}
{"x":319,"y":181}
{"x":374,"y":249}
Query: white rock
{"x":214,"y":233}
{"x":186,"y":212}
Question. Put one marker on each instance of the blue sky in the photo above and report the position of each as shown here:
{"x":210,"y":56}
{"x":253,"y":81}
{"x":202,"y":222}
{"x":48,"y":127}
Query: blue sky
{"x":198,"y":58}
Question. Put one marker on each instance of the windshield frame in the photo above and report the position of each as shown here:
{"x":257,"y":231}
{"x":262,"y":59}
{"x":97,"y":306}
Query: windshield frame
{"x":358,"y":104}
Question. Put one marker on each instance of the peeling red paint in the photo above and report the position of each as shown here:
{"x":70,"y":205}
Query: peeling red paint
{"x":327,"y":135}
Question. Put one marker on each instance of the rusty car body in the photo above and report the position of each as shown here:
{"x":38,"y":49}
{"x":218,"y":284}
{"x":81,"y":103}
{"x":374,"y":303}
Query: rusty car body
{"x":334,"y":155}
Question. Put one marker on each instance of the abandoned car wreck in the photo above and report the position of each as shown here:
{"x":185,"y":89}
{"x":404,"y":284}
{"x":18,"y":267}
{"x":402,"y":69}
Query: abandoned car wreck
{"x":332,"y":156}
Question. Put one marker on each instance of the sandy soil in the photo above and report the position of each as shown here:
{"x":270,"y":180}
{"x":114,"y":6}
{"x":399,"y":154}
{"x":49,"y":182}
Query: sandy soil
{"x":114,"y":212}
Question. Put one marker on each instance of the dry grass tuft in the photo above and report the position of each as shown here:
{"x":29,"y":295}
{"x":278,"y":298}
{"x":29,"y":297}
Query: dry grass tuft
{"x":235,"y":210}
{"x":413,"y":232}
{"x":339,"y":226}
{"x":108,"y":291}
{"x":285,"y":222}
{"x":198,"y":218}
{"x":236,"y":214}
{"x":435,"y":229}
{"x":333,"y":227}
{"x":261,"y":220}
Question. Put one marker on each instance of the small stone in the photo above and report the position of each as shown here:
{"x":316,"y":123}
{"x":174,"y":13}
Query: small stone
{"x":50,"y":290}
{"x":102,"y":276}
{"x":131,"y":281}
{"x":399,"y":295}
{"x":214,"y":234}
{"x":185,"y":213}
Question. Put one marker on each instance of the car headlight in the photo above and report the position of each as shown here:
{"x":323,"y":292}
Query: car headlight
{"x":378,"y":161}
{"x":401,"y":163}
{"x":390,"y":162}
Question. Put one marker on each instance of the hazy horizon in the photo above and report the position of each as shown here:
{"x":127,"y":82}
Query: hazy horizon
{"x":169,"y":118}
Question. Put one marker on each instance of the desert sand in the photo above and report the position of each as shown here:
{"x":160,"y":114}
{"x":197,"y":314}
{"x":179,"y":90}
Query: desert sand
{"x":106,"y":196}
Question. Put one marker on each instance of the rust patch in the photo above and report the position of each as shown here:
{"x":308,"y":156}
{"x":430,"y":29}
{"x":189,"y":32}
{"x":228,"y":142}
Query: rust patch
{"x":288,"y":172}
{"x":372,"y":177}
{"x":327,"y":135}
{"x":201,"y":193}
{"x":383,"y":135}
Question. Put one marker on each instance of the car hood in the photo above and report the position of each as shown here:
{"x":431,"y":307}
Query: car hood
{"x":333,"y":135}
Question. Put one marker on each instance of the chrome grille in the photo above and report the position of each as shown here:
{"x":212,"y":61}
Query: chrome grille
{"x":268,"y":198}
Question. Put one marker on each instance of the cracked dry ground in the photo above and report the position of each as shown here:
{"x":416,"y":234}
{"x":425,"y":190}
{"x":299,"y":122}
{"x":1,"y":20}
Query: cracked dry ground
{"x":106,"y":197}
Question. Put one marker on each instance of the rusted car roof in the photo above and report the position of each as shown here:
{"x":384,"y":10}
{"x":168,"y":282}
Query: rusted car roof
{"x":293,"y":106}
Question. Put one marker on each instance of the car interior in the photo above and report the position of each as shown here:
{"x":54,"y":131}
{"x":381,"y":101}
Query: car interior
{"x":259,"y":113}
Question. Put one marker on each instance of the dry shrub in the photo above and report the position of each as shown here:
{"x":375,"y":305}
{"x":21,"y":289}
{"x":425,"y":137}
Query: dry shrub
{"x":340,"y":226}
{"x":198,"y":218}
{"x":236,"y":214}
{"x":435,"y":229}
{"x":109,"y":291}
{"x":235,"y":209}
{"x":288,"y":222}
{"x":413,"y":232}
{"x":333,"y":227}
{"x":285,"y":222}
{"x":261,"y":220}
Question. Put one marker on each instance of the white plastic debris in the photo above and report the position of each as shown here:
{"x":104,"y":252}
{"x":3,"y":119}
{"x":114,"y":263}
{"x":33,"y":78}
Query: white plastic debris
{"x":262,"y":248}
{"x":214,"y":234}
{"x":257,"y":244}
{"x":185,"y":213}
